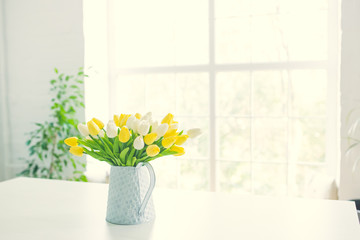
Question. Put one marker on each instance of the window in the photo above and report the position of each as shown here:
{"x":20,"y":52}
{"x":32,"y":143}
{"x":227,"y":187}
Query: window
{"x":259,"y":77}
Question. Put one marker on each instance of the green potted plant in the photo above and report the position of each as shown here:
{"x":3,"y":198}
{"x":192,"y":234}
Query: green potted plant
{"x":48,"y":156}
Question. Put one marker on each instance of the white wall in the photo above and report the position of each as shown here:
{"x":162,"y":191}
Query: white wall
{"x":39,"y":35}
{"x":350,"y":93}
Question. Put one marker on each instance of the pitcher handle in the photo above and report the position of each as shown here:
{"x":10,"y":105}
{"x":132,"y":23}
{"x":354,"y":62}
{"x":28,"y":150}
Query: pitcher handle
{"x":151,"y":185}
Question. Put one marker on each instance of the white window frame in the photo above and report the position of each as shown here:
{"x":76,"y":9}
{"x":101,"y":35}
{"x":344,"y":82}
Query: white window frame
{"x":331,"y":65}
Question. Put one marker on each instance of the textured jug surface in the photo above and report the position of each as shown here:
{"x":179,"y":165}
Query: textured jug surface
{"x":127,"y":189}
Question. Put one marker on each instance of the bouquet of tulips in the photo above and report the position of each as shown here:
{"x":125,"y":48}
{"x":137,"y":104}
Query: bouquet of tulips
{"x":130,"y":139}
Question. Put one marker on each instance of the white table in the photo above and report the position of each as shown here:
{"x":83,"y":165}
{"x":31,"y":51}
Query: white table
{"x":49,"y":209}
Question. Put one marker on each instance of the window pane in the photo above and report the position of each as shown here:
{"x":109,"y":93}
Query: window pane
{"x":308,"y":91}
{"x":233,"y":139}
{"x":130,"y":92}
{"x":233,"y":93}
{"x":158,"y":101}
{"x":270,"y":93}
{"x":166,"y":170}
{"x":233,"y":40}
{"x":234,"y":176}
{"x":194,"y":174}
{"x":156,"y":33}
{"x":307,"y":140}
{"x":302,"y":183}
{"x":192,"y":94}
{"x":269,"y":179}
{"x":269,"y":140}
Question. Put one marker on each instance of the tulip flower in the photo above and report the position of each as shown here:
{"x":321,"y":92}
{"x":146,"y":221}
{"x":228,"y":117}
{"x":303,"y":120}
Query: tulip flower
{"x":168,"y":142}
{"x":71,"y":141}
{"x":161,"y":130}
{"x":77,"y":151}
{"x":98,"y":122}
{"x":139,"y":143}
{"x":135,"y":125}
{"x":83,"y":129}
{"x":93,"y":128}
{"x":143,"y":128}
{"x":130,"y":121}
{"x":179,"y":150}
{"x":123,"y":119}
{"x":111,"y":130}
{"x":117,"y":120}
{"x":124,"y":134}
{"x":168,"y":119}
{"x":170,"y":133}
{"x":181,"y":139}
{"x":154,"y":126}
{"x":150,"y":138}
{"x":152,"y":150}
{"x":138,"y":115}
{"x":174,"y":126}
{"x":147,"y":117}
{"x":193,"y":133}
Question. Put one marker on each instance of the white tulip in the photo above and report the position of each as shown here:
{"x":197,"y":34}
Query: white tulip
{"x":129,"y":122}
{"x":193,"y":133}
{"x":139,"y":143}
{"x":161,"y":130}
{"x":147,"y":117}
{"x":111,"y":129}
{"x":143,"y":127}
{"x":135,"y":125}
{"x":83,"y":129}
{"x":154,"y":126}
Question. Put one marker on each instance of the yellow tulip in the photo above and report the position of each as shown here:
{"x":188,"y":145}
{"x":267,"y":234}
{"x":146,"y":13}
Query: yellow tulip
{"x":93,"y":128}
{"x":152,"y":150}
{"x":77,"y":151}
{"x":168,"y":142}
{"x":123,"y":119}
{"x":168,"y":119}
{"x":117,"y":120}
{"x":98,"y":122}
{"x":170,"y":133}
{"x":150,"y":138}
{"x":71,"y":141}
{"x":138,"y":115}
{"x":124,"y":135}
{"x":180,"y":150}
{"x":181,"y":139}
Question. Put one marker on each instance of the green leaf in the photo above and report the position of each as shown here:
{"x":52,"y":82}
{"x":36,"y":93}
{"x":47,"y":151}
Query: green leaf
{"x":129,"y":158}
{"x":123,"y":155}
{"x":56,"y":70}
{"x":53,"y":81}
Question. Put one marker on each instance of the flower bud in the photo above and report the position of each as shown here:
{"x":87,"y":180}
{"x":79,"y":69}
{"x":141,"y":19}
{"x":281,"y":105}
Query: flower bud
{"x":143,"y":128}
{"x":181,"y":139}
{"x":77,"y":151}
{"x":179,"y":150}
{"x":93,"y":128}
{"x":111,"y":130}
{"x":124,"y":135}
{"x":193,"y":133}
{"x":150,"y":138}
{"x":152,"y":150}
{"x":139,"y":143}
{"x":138,"y":115}
{"x":83,"y":129}
{"x":98,"y":122}
{"x":130,"y":121}
{"x":168,"y":119}
{"x":71,"y":141}
{"x":170,"y":133}
{"x":161,"y":130}
{"x":117,"y":120}
{"x":168,"y":142}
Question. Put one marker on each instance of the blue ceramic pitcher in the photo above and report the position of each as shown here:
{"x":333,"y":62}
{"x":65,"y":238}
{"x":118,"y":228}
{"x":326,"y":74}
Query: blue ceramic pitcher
{"x":129,"y":197}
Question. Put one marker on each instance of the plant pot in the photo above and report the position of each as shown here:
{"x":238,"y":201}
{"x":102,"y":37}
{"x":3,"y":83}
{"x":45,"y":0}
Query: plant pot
{"x":129,"y":196}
